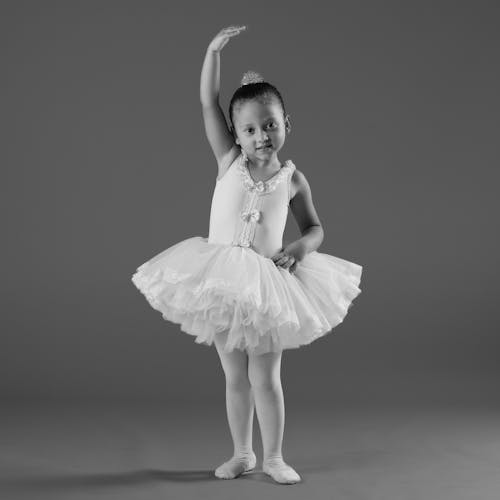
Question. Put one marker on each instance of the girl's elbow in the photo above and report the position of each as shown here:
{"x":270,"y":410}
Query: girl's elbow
{"x":320,"y":234}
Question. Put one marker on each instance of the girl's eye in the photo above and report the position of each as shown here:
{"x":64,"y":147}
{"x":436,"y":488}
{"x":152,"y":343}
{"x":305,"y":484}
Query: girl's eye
{"x":270,"y":125}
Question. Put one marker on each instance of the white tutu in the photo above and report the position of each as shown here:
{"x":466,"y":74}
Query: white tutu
{"x":209,"y":288}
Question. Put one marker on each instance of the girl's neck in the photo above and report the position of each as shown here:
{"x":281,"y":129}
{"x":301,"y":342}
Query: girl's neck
{"x":267,"y":164}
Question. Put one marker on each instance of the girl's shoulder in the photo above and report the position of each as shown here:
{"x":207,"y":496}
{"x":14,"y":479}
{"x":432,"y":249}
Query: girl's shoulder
{"x":298,"y":182}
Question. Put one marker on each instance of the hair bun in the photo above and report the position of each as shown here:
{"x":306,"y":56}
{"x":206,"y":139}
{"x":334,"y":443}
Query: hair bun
{"x":251,"y":77}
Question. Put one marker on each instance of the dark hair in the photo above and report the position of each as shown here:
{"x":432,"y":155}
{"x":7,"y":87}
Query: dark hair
{"x":258,"y":90}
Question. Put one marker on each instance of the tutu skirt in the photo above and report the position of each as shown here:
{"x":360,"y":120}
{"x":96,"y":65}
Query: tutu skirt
{"x":209,"y":288}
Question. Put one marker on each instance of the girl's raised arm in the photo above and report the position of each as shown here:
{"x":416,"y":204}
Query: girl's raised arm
{"x":218,"y":133}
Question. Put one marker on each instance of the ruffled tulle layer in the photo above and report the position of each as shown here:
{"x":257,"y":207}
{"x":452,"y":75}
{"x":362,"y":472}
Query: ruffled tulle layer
{"x":210,"y":288}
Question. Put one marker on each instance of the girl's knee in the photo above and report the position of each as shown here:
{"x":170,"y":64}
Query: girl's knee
{"x":264,"y":374}
{"x":265,"y":384}
{"x":237,"y":381}
{"x":235,"y":370}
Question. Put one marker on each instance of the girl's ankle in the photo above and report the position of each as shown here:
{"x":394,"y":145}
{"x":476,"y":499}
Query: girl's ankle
{"x":239,"y":453}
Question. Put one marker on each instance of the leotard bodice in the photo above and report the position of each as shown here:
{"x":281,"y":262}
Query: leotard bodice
{"x":250,"y":213}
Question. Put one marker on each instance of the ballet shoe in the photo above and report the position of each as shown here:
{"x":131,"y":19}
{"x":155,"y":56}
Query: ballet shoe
{"x":237,"y":465}
{"x":280,"y":471}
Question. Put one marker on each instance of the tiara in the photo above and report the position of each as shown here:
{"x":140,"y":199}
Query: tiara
{"x":251,"y":77}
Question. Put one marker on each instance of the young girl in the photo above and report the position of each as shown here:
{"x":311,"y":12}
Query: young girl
{"x":240,"y":289}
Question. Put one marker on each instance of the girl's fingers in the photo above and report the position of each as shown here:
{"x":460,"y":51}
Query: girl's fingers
{"x":285,"y":261}
{"x":278,"y":258}
{"x":226,"y":33}
{"x":234,"y":30}
{"x":234,"y":33}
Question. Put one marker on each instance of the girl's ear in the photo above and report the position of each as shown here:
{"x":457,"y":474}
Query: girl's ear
{"x":233,"y":133}
{"x":288,"y":124}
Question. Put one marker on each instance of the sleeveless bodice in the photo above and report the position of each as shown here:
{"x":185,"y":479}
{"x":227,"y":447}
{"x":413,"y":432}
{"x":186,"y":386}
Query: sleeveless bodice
{"x":250,"y":213}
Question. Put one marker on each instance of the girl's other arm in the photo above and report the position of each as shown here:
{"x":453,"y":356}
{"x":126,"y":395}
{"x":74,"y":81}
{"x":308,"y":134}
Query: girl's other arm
{"x":218,"y":134}
{"x":309,"y":224}
{"x":305,"y":214}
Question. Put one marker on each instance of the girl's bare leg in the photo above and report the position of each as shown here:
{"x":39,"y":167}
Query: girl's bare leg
{"x":240,"y":410}
{"x":264,"y":374}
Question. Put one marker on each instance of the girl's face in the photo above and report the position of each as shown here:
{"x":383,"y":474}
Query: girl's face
{"x":260,"y":127}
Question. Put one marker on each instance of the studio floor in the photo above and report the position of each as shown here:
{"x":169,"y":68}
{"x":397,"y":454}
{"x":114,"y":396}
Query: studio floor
{"x":82,"y":451}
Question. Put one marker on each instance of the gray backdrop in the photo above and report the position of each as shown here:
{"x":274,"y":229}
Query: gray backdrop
{"x":394,"y":109}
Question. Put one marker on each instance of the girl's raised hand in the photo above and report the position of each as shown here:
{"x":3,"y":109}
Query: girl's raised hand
{"x":223,"y":37}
